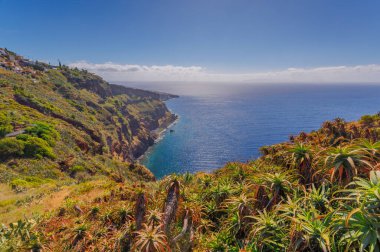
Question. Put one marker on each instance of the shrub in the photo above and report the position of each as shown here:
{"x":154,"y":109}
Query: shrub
{"x":5,"y":129}
{"x":75,"y":169}
{"x":368,"y":119}
{"x":11,"y":148}
{"x":44,"y":131}
{"x":22,"y":184}
{"x":4,"y":83}
{"x":7,"y":202}
{"x":5,"y":125}
{"x":38,"y":148}
{"x":25,"y":146}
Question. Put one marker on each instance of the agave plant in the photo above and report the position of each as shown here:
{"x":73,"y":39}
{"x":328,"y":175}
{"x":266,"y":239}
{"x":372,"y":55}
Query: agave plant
{"x":301,"y":159}
{"x":154,"y":217}
{"x":345,"y":162}
{"x":361,"y":221}
{"x":222,"y":241}
{"x":221,"y":191}
{"x":187,"y":178}
{"x":80,"y":233}
{"x":268,"y":231}
{"x":361,"y":230}
{"x":365,"y":192}
{"x":279,"y":184}
{"x":319,"y":198}
{"x":150,"y":239}
{"x":315,"y":230}
{"x":197,"y":211}
{"x":238,"y":202}
{"x":370,"y":149}
{"x":239,"y":208}
{"x":275,"y":154}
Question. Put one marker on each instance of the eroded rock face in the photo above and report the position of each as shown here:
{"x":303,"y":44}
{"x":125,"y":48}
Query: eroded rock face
{"x":120,"y":89}
{"x":114,"y":119}
{"x":138,"y":134}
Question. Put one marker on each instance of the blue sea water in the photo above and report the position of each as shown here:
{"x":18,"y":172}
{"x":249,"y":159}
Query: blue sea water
{"x":222,"y":123}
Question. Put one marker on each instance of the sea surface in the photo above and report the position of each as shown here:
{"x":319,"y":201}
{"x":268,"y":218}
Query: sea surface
{"x":219,"y":123}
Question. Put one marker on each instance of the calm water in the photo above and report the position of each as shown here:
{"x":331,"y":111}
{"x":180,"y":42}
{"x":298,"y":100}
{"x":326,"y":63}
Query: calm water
{"x":221,"y":123}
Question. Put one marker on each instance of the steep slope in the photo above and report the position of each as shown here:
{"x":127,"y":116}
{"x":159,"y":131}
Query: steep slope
{"x":60,"y":126}
{"x":319,"y":191}
{"x":290,"y":199}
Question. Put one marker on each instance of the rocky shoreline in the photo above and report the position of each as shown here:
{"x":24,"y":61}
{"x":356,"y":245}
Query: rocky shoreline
{"x":158,"y":133}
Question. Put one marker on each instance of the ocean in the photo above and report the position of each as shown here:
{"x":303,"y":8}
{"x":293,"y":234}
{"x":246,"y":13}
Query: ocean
{"x":219,"y":123}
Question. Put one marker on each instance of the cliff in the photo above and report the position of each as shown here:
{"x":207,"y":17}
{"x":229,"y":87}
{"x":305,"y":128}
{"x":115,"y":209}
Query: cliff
{"x":61,"y":128}
{"x":120,"y":89}
{"x":115,"y":119}
{"x":63,"y":149}
{"x":311,"y":193}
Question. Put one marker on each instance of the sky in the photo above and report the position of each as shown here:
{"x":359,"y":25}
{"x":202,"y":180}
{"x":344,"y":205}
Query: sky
{"x":205,"y":40}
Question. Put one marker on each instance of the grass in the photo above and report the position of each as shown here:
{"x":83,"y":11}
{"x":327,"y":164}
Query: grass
{"x":66,"y":184}
{"x":76,"y":141}
{"x":262,"y":205}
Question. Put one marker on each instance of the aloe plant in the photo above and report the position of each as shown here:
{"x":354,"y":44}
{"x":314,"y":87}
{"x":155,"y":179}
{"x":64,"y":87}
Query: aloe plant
{"x":150,"y":239}
{"x":345,"y":162}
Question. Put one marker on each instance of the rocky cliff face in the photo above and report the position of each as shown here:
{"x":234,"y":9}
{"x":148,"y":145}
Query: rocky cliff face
{"x":112,"y":119}
{"x":120,"y":89}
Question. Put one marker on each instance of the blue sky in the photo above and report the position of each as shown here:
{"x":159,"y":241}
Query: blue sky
{"x":217,"y":36}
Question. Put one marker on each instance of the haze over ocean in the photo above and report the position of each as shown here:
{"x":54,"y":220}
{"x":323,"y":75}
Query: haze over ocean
{"x":221,"y":123}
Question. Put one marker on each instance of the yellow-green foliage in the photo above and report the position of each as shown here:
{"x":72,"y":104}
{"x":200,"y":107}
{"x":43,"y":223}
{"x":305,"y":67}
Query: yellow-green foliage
{"x":43,"y":131}
{"x":368,"y":119}
{"x":28,"y":182}
{"x":5,"y":124}
{"x":317,"y":192}
{"x":36,"y":142}
{"x":11,"y":148}
{"x":69,"y":134}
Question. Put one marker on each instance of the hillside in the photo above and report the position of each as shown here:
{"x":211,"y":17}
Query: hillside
{"x":319,"y":191}
{"x":60,"y":126}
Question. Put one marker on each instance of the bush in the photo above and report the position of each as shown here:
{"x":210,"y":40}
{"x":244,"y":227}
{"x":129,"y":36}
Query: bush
{"x":75,"y":169}
{"x":5,"y":125}
{"x":23,"y":184}
{"x":44,"y":131}
{"x":5,"y":129}
{"x":369,"y":119}
{"x":11,"y":148}
{"x":37,"y":148}
{"x":25,"y":146}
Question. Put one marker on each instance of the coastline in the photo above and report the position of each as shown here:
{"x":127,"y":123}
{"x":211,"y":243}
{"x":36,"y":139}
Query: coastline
{"x":159,"y":133}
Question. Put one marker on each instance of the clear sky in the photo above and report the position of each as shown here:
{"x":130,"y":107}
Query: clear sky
{"x":187,"y":37}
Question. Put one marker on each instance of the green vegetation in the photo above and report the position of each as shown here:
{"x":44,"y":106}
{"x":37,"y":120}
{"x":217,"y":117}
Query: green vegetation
{"x":11,"y":148}
{"x":317,"y":192}
{"x":69,"y":162}
{"x":63,"y":134}
{"x":35,"y":143}
{"x":43,"y":131}
{"x":5,"y":125}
